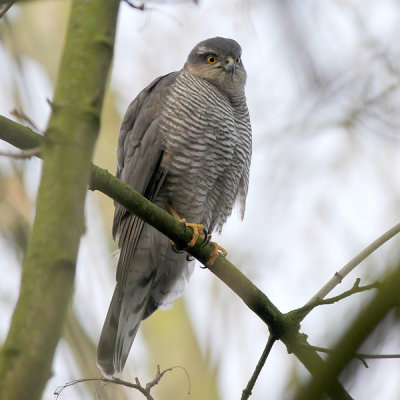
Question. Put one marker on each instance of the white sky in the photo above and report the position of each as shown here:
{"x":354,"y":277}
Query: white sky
{"x":318,"y":194}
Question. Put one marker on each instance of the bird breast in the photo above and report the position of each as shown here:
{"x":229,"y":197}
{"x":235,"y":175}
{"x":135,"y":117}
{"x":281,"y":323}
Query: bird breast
{"x":207,"y":145}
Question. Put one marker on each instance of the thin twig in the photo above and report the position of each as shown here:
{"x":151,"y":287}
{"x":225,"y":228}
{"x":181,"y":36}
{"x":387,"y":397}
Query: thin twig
{"x":247,"y":391}
{"x":115,"y":381}
{"x":143,"y":7}
{"x":160,"y":374}
{"x":339,"y":276}
{"x":24,"y":154}
{"x":137,"y":385}
{"x":303,"y":311}
{"x":355,"y":289}
{"x":359,"y":356}
{"x":23,"y":117}
{"x":6,"y":8}
{"x":130,"y":4}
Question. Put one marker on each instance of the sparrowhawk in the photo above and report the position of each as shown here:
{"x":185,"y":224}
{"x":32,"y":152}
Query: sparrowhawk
{"x":185,"y":144}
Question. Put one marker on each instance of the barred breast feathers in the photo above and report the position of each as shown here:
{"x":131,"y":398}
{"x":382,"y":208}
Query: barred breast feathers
{"x":207,"y":141}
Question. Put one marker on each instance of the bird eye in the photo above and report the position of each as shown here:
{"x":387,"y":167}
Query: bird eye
{"x":237,"y":60}
{"x":211,"y":59}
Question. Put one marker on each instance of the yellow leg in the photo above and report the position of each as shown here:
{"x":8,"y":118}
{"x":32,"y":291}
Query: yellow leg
{"x":198,"y":229}
{"x":218,"y":250}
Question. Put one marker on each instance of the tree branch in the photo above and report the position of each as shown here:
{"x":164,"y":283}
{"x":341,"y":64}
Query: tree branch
{"x":305,"y":310}
{"x":145,"y":390}
{"x":7,"y":6}
{"x":386,"y":298}
{"x":139,"y":7}
{"x":360,"y":356}
{"x":21,"y":116}
{"x":19,"y":136}
{"x":339,"y":276}
{"x":282,"y":326}
{"x":114,"y":381}
{"x":355,"y":289}
{"x":25,"y":154}
{"x":248,"y":390}
{"x":49,"y":263}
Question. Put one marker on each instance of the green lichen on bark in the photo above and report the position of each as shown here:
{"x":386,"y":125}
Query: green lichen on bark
{"x":67,"y":148}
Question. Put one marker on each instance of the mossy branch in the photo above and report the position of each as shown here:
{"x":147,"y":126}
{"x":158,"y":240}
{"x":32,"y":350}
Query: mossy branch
{"x":49,"y":263}
{"x":282,"y":326}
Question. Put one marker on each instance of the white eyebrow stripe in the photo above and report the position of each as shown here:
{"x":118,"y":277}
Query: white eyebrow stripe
{"x":205,"y":50}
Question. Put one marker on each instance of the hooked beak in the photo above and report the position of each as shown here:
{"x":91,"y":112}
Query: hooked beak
{"x":230,"y":65}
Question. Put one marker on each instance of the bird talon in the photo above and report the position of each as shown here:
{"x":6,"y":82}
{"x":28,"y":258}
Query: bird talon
{"x":217,"y":250}
{"x":175,"y":248}
{"x":207,"y":239}
{"x":198,"y":230}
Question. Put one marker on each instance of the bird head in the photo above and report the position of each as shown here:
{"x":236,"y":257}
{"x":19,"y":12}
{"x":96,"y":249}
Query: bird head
{"x":218,"y":60}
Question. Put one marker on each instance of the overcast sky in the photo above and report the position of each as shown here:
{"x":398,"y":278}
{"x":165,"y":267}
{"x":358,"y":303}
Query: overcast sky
{"x":324,"y":104}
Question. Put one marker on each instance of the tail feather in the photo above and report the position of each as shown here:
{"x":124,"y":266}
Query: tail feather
{"x":121,"y":325}
{"x":108,"y":337}
{"x":132,"y":310}
{"x":146,"y":277}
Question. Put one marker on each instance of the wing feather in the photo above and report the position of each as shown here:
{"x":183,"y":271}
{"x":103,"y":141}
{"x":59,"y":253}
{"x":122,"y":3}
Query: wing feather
{"x":139,"y":157}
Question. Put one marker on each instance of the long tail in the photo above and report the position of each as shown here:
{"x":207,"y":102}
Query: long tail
{"x":120,"y":327}
{"x":108,"y":337}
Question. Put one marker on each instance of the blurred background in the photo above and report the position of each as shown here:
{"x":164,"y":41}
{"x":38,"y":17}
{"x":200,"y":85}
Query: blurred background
{"x":323,"y":93}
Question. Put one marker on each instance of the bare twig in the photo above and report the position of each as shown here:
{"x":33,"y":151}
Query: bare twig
{"x":247,"y":391}
{"x":303,"y":311}
{"x":137,"y":385}
{"x":159,"y":375}
{"x":115,"y":381}
{"x":6,"y":8}
{"x":143,"y":7}
{"x":130,"y":4}
{"x":24,"y":154}
{"x":355,"y":289}
{"x":23,"y":117}
{"x":339,"y":276}
{"x":360,"y":356}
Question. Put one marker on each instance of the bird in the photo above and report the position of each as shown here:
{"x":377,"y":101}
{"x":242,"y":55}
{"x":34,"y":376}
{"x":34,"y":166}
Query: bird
{"x":185,"y":143}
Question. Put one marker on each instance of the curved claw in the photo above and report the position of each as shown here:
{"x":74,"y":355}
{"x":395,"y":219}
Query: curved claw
{"x":207,"y":239}
{"x":175,"y":248}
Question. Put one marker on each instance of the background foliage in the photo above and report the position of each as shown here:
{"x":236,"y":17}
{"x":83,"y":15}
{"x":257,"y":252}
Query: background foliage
{"x":323,"y":93}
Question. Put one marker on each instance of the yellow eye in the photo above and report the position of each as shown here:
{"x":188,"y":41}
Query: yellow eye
{"x":237,"y":60}
{"x":211,"y":59}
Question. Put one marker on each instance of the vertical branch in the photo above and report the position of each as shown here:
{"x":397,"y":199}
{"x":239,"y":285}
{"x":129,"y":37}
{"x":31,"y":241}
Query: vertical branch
{"x":49,"y":264}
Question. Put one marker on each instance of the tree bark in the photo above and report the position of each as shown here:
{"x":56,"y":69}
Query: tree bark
{"x":66,"y":149}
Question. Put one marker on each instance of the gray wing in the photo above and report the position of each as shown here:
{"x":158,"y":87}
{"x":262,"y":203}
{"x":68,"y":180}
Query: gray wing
{"x":139,"y":147}
{"x":139,"y":156}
